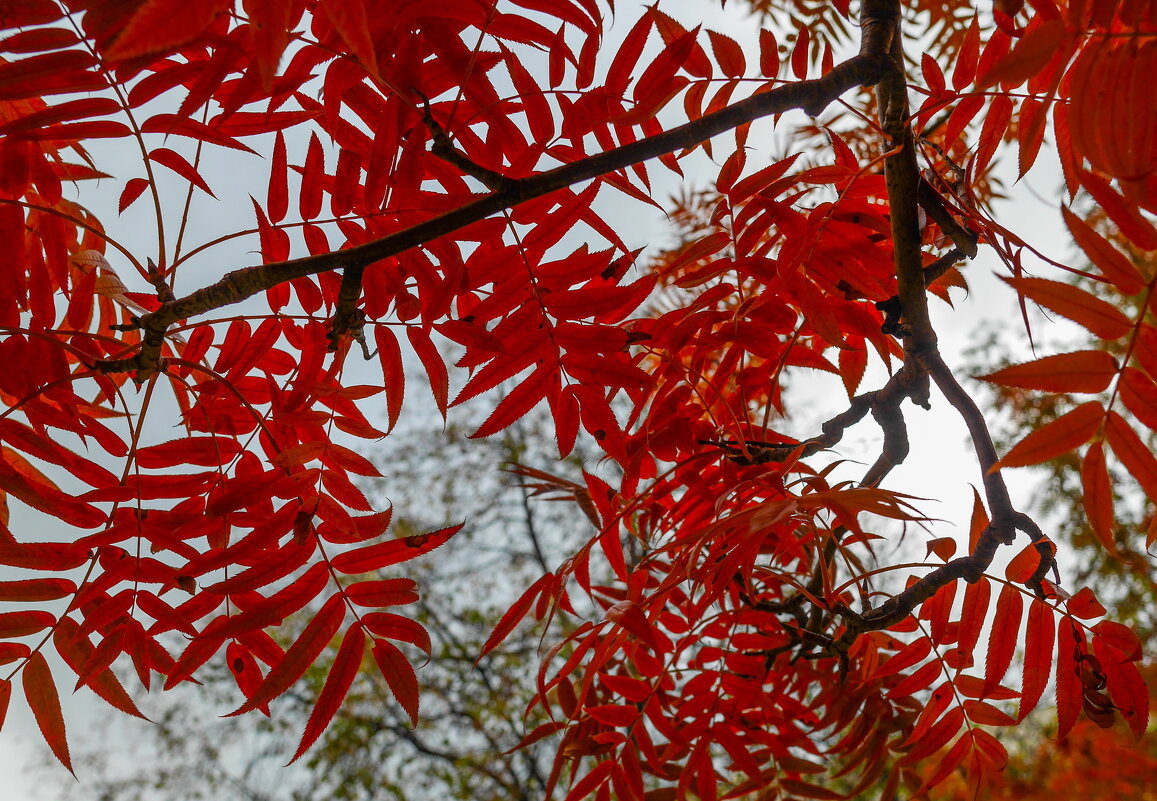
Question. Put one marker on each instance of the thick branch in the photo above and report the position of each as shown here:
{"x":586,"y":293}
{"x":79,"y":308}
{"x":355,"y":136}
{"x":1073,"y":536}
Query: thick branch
{"x":902,"y":176}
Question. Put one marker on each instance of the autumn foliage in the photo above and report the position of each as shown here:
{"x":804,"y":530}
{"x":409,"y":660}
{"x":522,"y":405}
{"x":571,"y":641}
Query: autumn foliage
{"x":434,"y":178}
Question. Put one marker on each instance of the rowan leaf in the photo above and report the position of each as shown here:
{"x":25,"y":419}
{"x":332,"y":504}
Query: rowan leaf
{"x":341,"y":676}
{"x":1097,"y":496}
{"x":43,"y":700}
{"x":1038,"y":655}
{"x":1067,"y":432}
{"x":304,"y":652}
{"x":1112,"y":263}
{"x":1080,"y":371}
{"x":1102,"y":319}
{"x":1068,"y":677}
{"x":1004,"y":637}
{"x":383,"y":554}
{"x":400,"y":677}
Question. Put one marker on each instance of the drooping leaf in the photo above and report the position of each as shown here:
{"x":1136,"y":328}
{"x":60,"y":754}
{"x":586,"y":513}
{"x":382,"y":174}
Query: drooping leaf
{"x":304,"y":651}
{"x":341,"y":677}
{"x":400,"y":677}
{"x":43,"y":700}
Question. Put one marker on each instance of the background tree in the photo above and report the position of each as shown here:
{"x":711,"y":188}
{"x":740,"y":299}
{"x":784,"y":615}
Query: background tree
{"x":723,"y":653}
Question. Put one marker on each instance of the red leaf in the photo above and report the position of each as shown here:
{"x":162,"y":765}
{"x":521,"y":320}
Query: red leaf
{"x":133,"y":189}
{"x":384,"y":592}
{"x":312,"y":178}
{"x":514,"y":614}
{"x":177,"y":163}
{"x":396,"y":627}
{"x":350,"y":21}
{"x":391,"y":552}
{"x":203,"y":451}
{"x":729,"y":55}
{"x":160,"y":26}
{"x":1067,"y":432}
{"x":304,"y":651}
{"x":399,"y":675}
{"x":432,"y":361}
{"x":1084,"y":604}
{"x":920,"y":679}
{"x":973,"y":613}
{"x":24,"y":622}
{"x":1125,"y":214}
{"x":957,"y":754}
{"x":527,"y":394}
{"x":194,"y":129}
{"x":40,"y":692}
{"x":1028,"y":57}
{"x":1081,"y":371}
{"x":1122,"y":639}
{"x":36,"y":589}
{"x":768,"y":54}
{"x":337,"y":684}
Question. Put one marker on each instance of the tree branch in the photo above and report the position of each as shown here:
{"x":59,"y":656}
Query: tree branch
{"x":812,"y":96}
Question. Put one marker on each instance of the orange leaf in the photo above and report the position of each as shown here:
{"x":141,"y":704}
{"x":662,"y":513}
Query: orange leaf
{"x":1098,"y":496}
{"x":973,"y":613}
{"x":1038,"y":655}
{"x":1112,"y":263}
{"x":1069,"y":690}
{"x":1084,"y":604}
{"x":1139,"y":394}
{"x":1080,"y":371}
{"x":399,"y":675}
{"x":337,"y":684}
{"x":1004,"y":637}
{"x":1069,"y":431}
{"x":1125,"y":214}
{"x":1032,"y":51}
{"x":1099,"y":317}
{"x":40,"y":692}
{"x":1133,"y":453}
